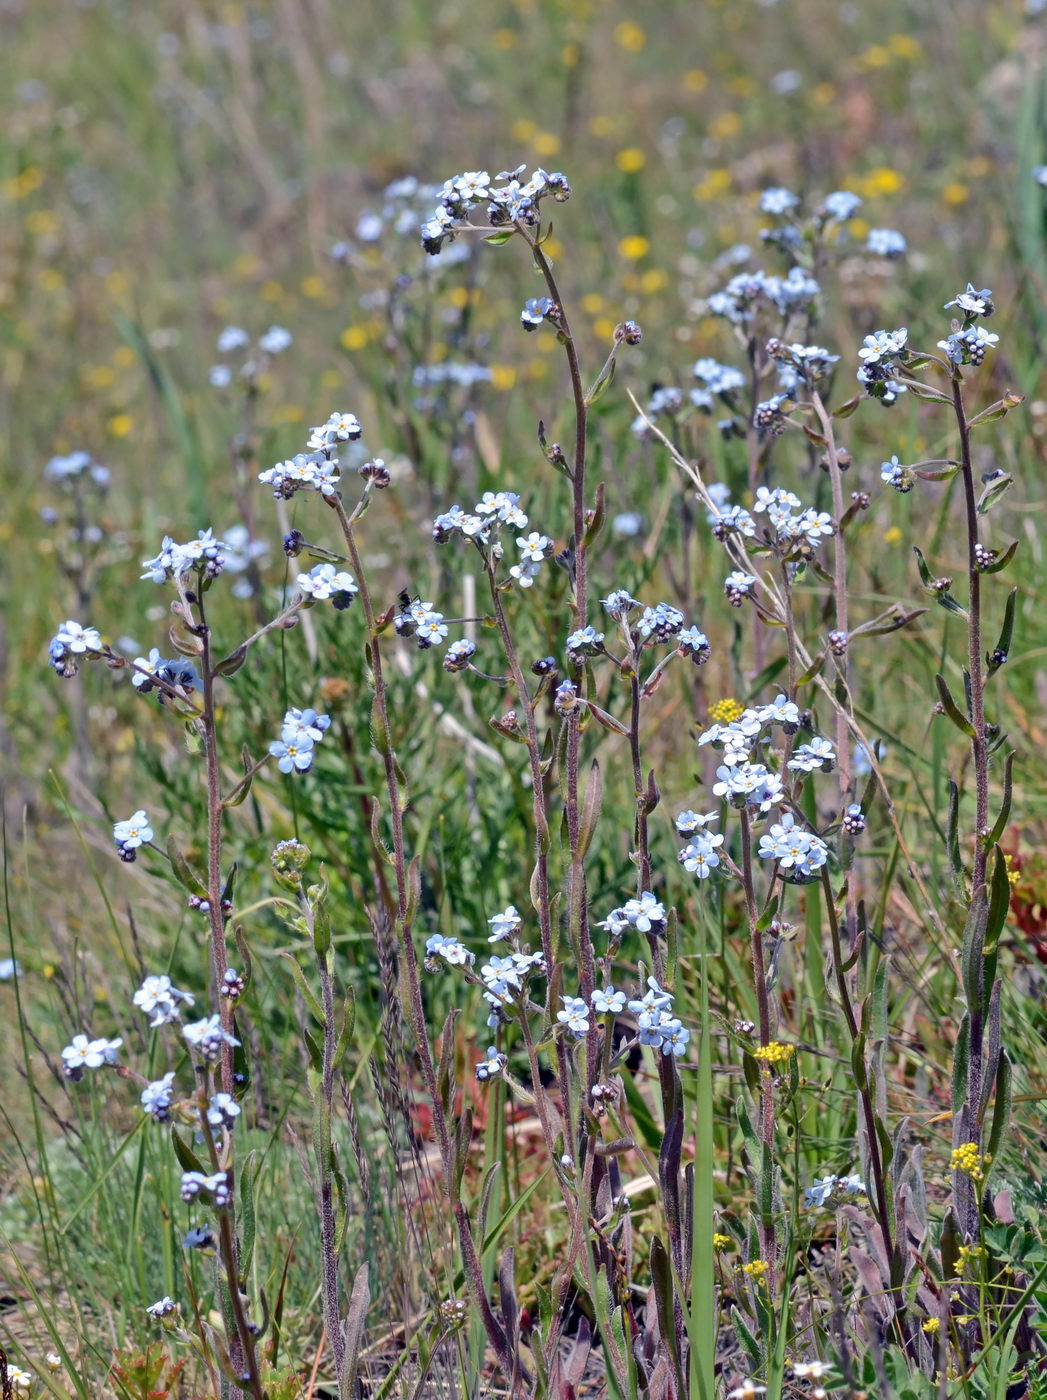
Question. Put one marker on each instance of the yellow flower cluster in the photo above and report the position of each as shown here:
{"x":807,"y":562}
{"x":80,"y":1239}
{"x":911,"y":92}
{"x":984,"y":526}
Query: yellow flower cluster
{"x":722,"y":1241}
{"x":968,"y":1254}
{"x":933,"y":1325}
{"x":757,"y":1270}
{"x":725,"y":711}
{"x":967,"y":1159}
{"x":775,"y":1053}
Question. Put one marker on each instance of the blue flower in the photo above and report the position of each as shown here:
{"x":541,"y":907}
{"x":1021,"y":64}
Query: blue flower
{"x":608,"y":1001}
{"x":777,"y":201}
{"x":575,"y":1016}
{"x":304,"y":724}
{"x":324,"y":581}
{"x":275,"y":340}
{"x":156,"y":1098}
{"x":504,"y":925}
{"x":293,"y":755}
{"x":840,"y":206}
{"x":492,"y":1064}
{"x":535,"y":311}
{"x":885,"y":243}
{"x":973,"y":303}
{"x":133,"y":832}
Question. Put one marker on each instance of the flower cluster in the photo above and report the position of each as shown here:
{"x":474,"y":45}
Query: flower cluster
{"x":747,"y":783}
{"x":131,"y":834}
{"x":505,"y":981}
{"x":515,"y":201}
{"x":828,"y":1188}
{"x":156,"y":1098}
{"x":301,"y":729}
{"x":885,"y":242}
{"x":657,"y":625}
{"x":154,"y":672}
{"x":208,"y":1036}
{"x":324,"y":582}
{"x":175,"y":561}
{"x":420,"y":620}
{"x":775,"y":1052}
{"x":657,"y":1025}
{"x":969,"y":1160}
{"x":450,"y":949}
{"x":894,"y":474}
{"x":797,"y":529}
{"x":83,"y":1053}
{"x":318,"y":468}
{"x":233,"y":339}
{"x":75,"y":466}
{"x":749,"y":294}
{"x":215,"y":1188}
{"x":646,"y":915}
{"x":537,"y":310}
{"x":70,"y":645}
{"x":483,"y":527}
{"x":159,"y":998}
{"x":881,"y":354}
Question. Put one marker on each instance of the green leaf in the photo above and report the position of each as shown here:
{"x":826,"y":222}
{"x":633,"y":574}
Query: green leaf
{"x":187,"y":876}
{"x":999,"y":902}
{"x":245,"y":1194}
{"x":229,"y":665}
{"x":951,"y":708}
{"x":187,"y":1158}
{"x":1003,"y":646}
{"x":999,"y":564}
{"x":604,"y":382}
{"x":993,"y":492}
{"x":961,"y":1063}
{"x":303,"y":986}
{"x":926,"y":577}
{"x":497,"y":239}
{"x":846,"y":409}
{"x":813,"y":670}
{"x":999,"y":826}
{"x":608,"y":721}
{"x":996,"y":410}
{"x":1001,"y":1115}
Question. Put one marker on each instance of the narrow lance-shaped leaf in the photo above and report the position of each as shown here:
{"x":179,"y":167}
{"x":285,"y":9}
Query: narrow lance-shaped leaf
{"x":997,"y":658}
{"x":1001,"y":561}
{"x":1000,"y":824}
{"x":951,"y":708}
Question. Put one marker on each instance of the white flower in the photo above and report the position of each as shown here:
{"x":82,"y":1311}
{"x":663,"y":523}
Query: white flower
{"x":700,"y":855}
{"x":159,"y":998}
{"x":505,"y":924}
{"x":575,"y":1016}
{"x":645,"y":914}
{"x":608,"y":1001}
{"x":809,"y":1370}
{"x":275,"y":340}
{"x":207,"y":1036}
{"x":533,"y":547}
{"x":689,"y":821}
{"x":83,"y":1054}
{"x":449,"y":949}
{"x":324,"y":581}
{"x":78,"y":639}
{"x":134,"y":831}
{"x":156,"y":1097}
